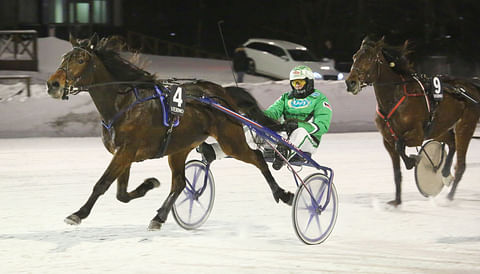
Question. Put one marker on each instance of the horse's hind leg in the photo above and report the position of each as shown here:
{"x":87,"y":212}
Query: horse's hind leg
{"x":121,"y":161}
{"x":463,"y":134}
{"x":233,"y":143}
{"x":177,"y":166}
{"x":122,"y":183}
{"x":449,"y":139}
{"x":396,"y":172}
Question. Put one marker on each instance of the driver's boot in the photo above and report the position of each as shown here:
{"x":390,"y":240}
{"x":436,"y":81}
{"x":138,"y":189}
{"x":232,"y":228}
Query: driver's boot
{"x":278,"y":161}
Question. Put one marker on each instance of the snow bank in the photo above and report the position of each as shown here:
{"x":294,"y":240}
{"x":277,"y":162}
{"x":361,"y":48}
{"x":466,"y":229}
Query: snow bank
{"x":42,"y":116}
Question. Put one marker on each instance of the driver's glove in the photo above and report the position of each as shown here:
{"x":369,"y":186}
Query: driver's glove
{"x":290,"y":125}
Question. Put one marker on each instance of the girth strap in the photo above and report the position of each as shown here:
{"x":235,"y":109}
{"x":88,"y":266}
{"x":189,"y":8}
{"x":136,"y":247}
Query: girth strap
{"x":387,"y":117}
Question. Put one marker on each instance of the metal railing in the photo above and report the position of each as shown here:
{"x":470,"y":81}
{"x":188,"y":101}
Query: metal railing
{"x":18,"y":50}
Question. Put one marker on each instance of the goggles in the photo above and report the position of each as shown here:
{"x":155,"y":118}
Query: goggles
{"x":300,"y":82}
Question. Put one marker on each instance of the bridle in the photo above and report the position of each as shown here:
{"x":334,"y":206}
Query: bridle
{"x":365,"y":77}
{"x":377,"y":61}
{"x":71,"y":82}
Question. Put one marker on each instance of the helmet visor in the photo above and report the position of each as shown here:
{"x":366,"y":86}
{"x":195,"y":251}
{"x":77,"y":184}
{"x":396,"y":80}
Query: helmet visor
{"x":298,"y":83}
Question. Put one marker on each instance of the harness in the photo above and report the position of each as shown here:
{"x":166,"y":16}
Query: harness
{"x":171,"y":99}
{"x":158,"y":95}
{"x":387,"y":118}
{"x":170,"y":119}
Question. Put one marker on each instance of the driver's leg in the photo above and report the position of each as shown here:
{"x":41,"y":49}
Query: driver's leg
{"x":301,"y":139}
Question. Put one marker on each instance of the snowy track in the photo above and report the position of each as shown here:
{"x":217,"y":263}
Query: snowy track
{"x":44,"y":180}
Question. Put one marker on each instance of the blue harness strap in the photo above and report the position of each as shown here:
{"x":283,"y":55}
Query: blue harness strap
{"x":158,"y":94}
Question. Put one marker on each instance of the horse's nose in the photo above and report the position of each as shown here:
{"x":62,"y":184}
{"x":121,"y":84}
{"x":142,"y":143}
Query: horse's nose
{"x":52,"y":86}
{"x":55,"y":84}
{"x":350,"y":84}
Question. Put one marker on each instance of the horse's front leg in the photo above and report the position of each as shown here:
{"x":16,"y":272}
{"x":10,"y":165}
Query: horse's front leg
{"x":122,"y":184}
{"x":119,"y":165}
{"x":177,"y":166}
{"x":390,"y":146}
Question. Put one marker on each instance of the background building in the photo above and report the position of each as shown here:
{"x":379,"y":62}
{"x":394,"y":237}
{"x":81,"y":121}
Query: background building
{"x":443,"y":33}
{"x":59,"y":17}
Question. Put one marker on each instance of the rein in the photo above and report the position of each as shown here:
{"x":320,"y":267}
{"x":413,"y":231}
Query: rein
{"x":159,"y":94}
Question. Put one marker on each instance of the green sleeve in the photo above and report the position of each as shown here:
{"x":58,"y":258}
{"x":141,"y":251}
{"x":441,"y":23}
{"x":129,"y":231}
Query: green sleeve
{"x":275,"y":111}
{"x":321,"y":119}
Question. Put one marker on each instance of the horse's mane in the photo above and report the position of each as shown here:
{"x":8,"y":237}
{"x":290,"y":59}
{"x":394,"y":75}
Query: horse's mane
{"x":108,"y":50}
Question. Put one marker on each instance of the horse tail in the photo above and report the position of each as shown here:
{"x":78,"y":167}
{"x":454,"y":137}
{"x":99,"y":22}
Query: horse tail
{"x":249,"y":106}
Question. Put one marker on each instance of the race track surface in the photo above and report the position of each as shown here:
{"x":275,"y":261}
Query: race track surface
{"x":44,"y":180}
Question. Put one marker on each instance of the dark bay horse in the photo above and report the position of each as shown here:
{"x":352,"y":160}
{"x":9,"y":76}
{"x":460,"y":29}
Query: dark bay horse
{"x":405,"y":114}
{"x":133,"y":121}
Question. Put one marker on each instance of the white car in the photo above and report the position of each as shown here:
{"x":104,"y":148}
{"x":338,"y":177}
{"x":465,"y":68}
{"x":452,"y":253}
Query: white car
{"x":276,"y":58}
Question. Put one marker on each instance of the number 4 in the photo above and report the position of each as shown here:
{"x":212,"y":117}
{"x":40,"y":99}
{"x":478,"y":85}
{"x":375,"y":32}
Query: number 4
{"x":177,"y":97}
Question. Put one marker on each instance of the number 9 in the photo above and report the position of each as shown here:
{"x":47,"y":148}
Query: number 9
{"x":437,"y":85}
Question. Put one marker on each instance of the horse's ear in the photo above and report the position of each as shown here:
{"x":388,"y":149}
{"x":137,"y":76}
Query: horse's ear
{"x":382,"y":40}
{"x":367,"y":41}
{"x":93,"y":41}
{"x":380,"y":43}
{"x":73,"y":40}
{"x":405,"y":45}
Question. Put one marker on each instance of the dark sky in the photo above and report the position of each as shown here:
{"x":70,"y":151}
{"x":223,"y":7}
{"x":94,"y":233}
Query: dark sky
{"x":434,"y":27}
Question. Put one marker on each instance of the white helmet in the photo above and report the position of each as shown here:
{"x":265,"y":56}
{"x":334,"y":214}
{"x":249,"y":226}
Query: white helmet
{"x":305,"y":73}
{"x":301,"y":72}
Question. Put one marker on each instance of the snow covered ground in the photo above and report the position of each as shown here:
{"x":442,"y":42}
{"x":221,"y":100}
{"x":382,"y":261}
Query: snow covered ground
{"x":45,"y":179}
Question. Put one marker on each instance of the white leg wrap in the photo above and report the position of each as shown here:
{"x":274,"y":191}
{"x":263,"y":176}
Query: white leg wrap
{"x":301,"y":139}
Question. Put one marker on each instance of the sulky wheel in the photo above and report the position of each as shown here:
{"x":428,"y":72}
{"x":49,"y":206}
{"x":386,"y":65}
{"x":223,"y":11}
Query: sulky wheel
{"x":313,"y":224}
{"x":428,"y":170}
{"x":194,"y":204}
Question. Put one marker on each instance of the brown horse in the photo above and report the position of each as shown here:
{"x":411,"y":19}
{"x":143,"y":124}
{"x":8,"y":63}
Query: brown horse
{"x":133,"y":131}
{"x":406,"y":114}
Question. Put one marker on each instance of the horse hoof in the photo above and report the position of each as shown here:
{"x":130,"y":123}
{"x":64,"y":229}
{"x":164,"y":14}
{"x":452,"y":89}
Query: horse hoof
{"x":154,"y":225}
{"x":155,"y":183}
{"x":277,"y":194}
{"x":289,"y":198}
{"x":286,"y":197}
{"x":73,"y":220}
{"x":447,"y":180}
{"x":394,"y":203}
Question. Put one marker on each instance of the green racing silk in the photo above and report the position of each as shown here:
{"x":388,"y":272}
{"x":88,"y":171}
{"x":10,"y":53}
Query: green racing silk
{"x":314,"y":113}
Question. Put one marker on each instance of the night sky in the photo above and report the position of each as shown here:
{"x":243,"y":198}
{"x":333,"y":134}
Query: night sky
{"x":434,"y":27}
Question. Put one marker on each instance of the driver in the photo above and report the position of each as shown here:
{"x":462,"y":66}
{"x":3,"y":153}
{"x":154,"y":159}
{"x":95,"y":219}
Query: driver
{"x":306,"y":114}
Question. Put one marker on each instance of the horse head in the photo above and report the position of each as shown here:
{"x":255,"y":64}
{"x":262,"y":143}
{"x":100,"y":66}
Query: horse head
{"x":365,"y":65}
{"x":76,"y":68}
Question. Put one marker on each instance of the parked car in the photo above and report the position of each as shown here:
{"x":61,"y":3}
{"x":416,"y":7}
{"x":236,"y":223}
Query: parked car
{"x":275,"y":58}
